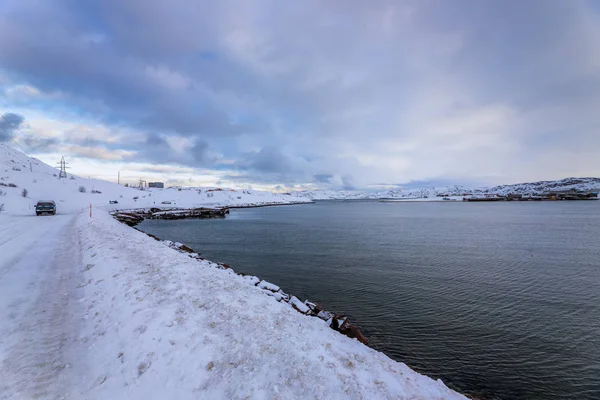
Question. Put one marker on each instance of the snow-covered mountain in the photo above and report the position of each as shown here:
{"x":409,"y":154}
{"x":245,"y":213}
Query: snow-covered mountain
{"x":530,"y":188}
{"x":19,"y":173}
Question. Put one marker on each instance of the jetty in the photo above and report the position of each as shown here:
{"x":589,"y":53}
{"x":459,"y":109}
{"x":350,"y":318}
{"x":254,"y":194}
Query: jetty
{"x":134,"y":217}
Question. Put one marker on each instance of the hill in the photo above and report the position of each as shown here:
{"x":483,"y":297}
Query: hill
{"x":18,"y":172}
{"x":530,"y":188}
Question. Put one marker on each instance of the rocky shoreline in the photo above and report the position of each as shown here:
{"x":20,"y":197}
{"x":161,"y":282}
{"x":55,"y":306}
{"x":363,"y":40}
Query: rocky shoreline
{"x":337,"y":322}
{"x":134,"y":217}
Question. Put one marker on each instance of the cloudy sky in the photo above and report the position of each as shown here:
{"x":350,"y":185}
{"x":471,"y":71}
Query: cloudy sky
{"x":303,"y":94}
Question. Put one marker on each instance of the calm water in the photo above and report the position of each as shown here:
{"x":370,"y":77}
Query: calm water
{"x":498,"y":300}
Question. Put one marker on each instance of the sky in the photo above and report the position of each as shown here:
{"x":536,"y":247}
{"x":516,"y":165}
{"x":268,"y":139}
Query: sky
{"x":289,"y":95}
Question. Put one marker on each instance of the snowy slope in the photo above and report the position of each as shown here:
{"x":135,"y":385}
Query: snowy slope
{"x":42,"y":183}
{"x":92,"y":309}
{"x":532,"y":188}
{"x":188,"y":330}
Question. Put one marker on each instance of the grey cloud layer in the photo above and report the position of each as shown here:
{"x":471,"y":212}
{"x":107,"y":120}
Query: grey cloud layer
{"x":338,"y":94}
{"x":8,"y":124}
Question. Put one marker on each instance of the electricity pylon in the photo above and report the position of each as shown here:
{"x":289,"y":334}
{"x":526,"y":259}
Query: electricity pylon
{"x":63,"y":168}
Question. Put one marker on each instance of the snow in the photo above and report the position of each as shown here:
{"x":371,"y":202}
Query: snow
{"x":268,"y":286}
{"x":456,"y":192}
{"x":300,"y":306}
{"x":252,"y":279}
{"x":41,"y":183}
{"x":93,"y":309}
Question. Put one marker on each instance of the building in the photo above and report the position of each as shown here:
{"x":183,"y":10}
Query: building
{"x":160,"y":185}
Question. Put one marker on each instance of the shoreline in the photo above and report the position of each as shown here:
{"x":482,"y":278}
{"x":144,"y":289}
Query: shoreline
{"x":338,"y":322}
{"x":297,"y":203}
{"x":223,"y":331}
{"x":133,"y":216}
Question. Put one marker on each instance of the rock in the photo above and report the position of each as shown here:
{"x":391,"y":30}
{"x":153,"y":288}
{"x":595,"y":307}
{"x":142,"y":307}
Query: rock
{"x":185,"y":248}
{"x":268,"y":286}
{"x":325,"y":315}
{"x":353,"y":332}
{"x":299,"y":306}
{"x":314,"y":308}
{"x":286,"y":297}
{"x":343,"y":325}
{"x":338,"y":321}
{"x":277,"y":295}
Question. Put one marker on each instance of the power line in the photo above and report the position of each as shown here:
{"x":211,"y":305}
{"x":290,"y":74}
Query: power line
{"x":8,"y":134}
{"x":63,"y":168}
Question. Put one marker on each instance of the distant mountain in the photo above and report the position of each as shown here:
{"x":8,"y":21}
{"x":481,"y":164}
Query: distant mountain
{"x":530,"y":188}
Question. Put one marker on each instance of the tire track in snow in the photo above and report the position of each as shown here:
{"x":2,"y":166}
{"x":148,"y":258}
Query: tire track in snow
{"x":36,"y":366}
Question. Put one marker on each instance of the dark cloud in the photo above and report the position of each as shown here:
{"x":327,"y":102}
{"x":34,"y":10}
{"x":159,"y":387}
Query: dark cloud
{"x":190,"y":122}
{"x":323,"y":178}
{"x":347,"y":183}
{"x":9,"y":122}
{"x":269,"y":160}
{"x":157,"y":150}
{"x":41,"y":144}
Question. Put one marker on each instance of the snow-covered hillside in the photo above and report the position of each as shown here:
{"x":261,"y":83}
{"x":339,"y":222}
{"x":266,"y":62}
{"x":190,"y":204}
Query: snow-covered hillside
{"x":532,"y":188}
{"x":19,"y":172}
{"x":92,"y":309}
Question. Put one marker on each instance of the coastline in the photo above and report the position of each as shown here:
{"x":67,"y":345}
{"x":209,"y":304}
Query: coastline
{"x":302,"y":309}
{"x":338,"y":322}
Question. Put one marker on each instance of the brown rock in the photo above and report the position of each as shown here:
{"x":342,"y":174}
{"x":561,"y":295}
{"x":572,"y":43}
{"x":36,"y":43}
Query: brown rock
{"x":186,"y":249}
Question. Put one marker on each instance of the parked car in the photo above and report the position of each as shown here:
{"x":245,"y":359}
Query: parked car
{"x":165,"y":202}
{"x":113,"y":202}
{"x":45,"y":207}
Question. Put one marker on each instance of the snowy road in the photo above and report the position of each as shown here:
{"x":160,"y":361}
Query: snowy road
{"x":38,"y":263}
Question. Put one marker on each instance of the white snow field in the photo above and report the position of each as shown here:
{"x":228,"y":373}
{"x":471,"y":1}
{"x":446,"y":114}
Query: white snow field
{"x":93,"y":309}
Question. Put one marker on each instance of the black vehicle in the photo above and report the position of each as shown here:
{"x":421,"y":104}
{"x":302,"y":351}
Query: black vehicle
{"x":45,"y":207}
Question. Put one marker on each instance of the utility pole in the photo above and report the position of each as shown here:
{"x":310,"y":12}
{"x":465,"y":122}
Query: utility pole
{"x":63,"y":168}
{"x":119,"y":178}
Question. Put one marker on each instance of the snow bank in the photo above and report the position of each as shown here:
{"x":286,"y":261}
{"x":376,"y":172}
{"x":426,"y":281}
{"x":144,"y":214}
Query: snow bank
{"x":161,"y":325}
{"x":268,"y":286}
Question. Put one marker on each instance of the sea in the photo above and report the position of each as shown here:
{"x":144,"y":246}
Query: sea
{"x":499,"y":300}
